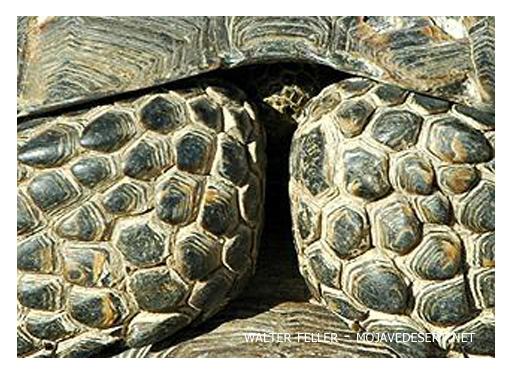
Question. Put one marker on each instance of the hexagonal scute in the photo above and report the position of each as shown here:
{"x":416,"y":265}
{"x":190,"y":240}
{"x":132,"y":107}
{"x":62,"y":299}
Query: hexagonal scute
{"x":177,"y":198}
{"x":91,"y":171}
{"x":435,"y":208}
{"x":126,"y":198}
{"x":207,"y":112}
{"x":90,"y":265}
{"x":412,"y":173}
{"x":109,"y":131}
{"x":163,"y":114}
{"x":457,"y":179}
{"x":311,"y":161}
{"x":351,"y":116}
{"x":86,"y":223}
{"x":397,"y":129}
{"x":476,"y":210}
{"x":439,"y":256}
{"x":375,"y":282}
{"x":195,"y":254}
{"x":97,"y":308}
{"x":365,"y":173}
{"x":444,"y":303}
{"x":485,"y":119}
{"x":194,"y":151}
{"x":52,"y":190}
{"x":147,"y":159}
{"x":42,"y":292}
{"x":159,"y":290}
{"x":140,"y":244}
{"x":36,"y":254}
{"x":49,"y":148}
{"x":323,"y":267}
{"x":346,"y":230}
{"x":395,"y":225}
{"x":219,"y":211}
{"x":232,"y":163}
{"x":454,"y":141}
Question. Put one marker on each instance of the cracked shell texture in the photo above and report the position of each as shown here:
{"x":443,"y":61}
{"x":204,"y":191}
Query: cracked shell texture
{"x":132,"y":219}
{"x":414,"y":178}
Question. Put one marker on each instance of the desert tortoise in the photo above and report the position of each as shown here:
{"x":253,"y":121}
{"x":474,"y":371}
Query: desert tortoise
{"x":139,"y":207}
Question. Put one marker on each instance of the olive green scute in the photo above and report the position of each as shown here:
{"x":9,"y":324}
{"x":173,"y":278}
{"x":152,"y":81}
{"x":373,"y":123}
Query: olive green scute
{"x":51,"y":190}
{"x":486,"y":118}
{"x":49,"y":326}
{"x":397,"y":129}
{"x":96,"y":308}
{"x":305,"y":219}
{"x":484,"y":255}
{"x":142,"y":162}
{"x":207,"y":113}
{"x":478,"y":208}
{"x":36,"y":254}
{"x":454,"y":141}
{"x":366,"y":174}
{"x":325,"y":269}
{"x":193,"y":152}
{"x":457,"y":179}
{"x":219,"y":212}
{"x":91,"y":170}
{"x":83,"y":225}
{"x":141,"y":245}
{"x":233,"y":161}
{"x":108,"y":132}
{"x":483,"y":287}
{"x":382,"y":289}
{"x":415,"y":174}
{"x":446,"y":304}
{"x":176,"y":198}
{"x":162,"y":115}
{"x":27,"y":218}
{"x":399,"y":226}
{"x":40,"y":293}
{"x":436,"y":208}
{"x":48,"y":149}
{"x":197,"y":255}
{"x":347,"y":233}
{"x":430,"y":104}
{"x":158,"y":290}
{"x":87,"y":267}
{"x":352,"y":116}
{"x":311,"y":154}
{"x":237,"y":250}
{"x":438,"y":258}
{"x":121,"y":199}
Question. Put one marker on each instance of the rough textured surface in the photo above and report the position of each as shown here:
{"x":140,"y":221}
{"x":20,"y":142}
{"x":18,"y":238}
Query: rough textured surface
{"x":135,"y":219}
{"x":66,"y":60}
{"x":396,"y":235}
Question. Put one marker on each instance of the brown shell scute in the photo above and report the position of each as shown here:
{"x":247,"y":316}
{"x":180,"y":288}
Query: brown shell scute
{"x":409,"y":216}
{"x":149,"y":222}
